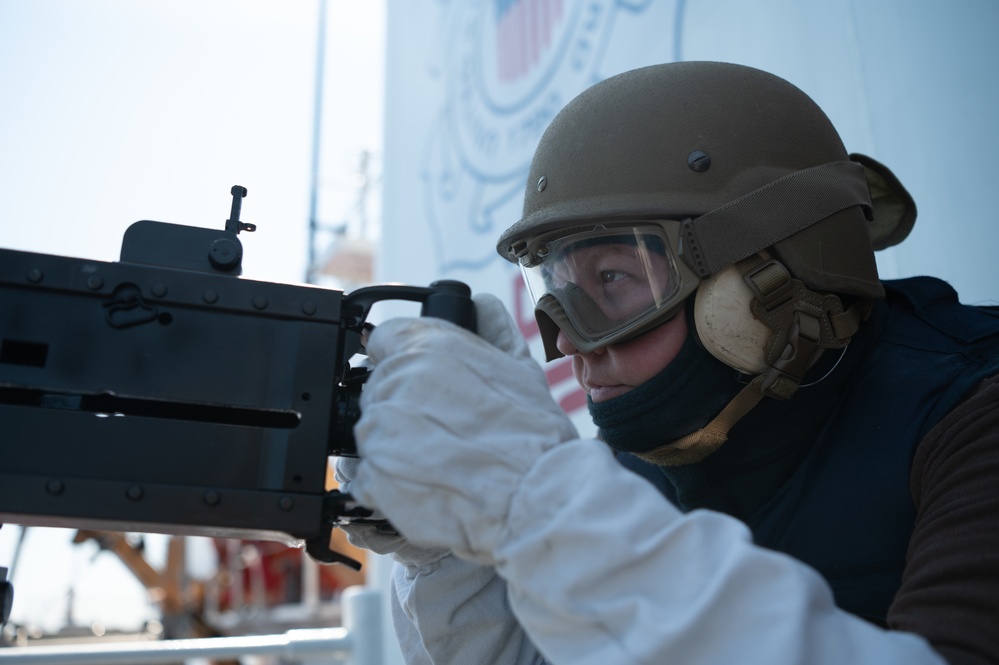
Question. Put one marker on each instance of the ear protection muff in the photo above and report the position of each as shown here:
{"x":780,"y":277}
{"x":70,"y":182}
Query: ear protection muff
{"x":725,"y":324}
{"x":755,"y":317}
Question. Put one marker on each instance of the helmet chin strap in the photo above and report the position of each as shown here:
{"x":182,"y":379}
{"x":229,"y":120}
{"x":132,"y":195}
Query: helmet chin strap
{"x":697,"y":445}
{"x":804,"y":323}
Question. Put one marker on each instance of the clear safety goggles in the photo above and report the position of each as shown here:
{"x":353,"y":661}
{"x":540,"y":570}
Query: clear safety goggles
{"x":607,"y":282}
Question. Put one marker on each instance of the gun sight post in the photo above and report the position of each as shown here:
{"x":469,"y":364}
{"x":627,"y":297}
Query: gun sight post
{"x":233,"y":224}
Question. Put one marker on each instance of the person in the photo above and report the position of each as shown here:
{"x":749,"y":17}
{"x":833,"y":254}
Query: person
{"x":797,"y":462}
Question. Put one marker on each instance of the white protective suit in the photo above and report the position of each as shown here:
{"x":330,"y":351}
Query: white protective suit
{"x":527,"y":544}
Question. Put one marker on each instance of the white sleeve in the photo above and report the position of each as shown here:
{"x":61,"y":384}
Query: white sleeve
{"x":454,"y":611}
{"x":602,"y":569}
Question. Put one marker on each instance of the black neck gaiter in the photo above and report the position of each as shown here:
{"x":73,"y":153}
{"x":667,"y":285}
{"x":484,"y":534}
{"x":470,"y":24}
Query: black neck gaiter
{"x":681,"y":399}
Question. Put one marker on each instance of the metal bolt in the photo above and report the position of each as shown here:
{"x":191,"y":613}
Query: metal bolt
{"x":210,"y":296}
{"x":35,"y":274}
{"x":309,"y":307}
{"x":134,"y":492}
{"x":94,"y":282}
{"x":225,"y":254}
{"x":212,"y":498}
{"x":286,"y":503}
{"x":54,"y":487}
{"x":699,"y":161}
{"x":159,"y":290}
{"x":260,"y":302}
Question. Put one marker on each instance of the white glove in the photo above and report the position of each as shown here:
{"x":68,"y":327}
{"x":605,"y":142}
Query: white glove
{"x":376,"y":538}
{"x":450,"y":422}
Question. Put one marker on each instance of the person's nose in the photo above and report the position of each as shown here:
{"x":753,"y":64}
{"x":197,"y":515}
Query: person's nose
{"x":565,"y":345}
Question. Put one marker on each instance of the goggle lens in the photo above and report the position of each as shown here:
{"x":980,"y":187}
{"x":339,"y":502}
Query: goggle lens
{"x":606,"y":280}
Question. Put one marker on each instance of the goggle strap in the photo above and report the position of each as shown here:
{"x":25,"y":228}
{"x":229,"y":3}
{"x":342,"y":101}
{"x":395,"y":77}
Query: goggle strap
{"x":767,"y":215}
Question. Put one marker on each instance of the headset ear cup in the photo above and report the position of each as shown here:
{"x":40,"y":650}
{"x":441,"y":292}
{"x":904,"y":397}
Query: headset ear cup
{"x":725,"y":323}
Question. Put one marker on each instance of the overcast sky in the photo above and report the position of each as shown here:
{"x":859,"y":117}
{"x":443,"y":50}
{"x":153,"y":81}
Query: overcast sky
{"x":120,"y":110}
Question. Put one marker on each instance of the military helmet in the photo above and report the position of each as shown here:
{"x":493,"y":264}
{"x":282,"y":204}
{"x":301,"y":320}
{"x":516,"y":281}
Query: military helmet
{"x":695,"y":167}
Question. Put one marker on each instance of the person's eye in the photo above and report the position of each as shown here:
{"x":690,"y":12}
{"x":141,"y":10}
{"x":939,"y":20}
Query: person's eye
{"x":608,"y":276}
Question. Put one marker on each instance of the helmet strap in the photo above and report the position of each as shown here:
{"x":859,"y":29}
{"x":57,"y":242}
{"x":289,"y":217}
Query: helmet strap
{"x":697,"y":445}
{"x":771,"y":213}
{"x":804,"y":323}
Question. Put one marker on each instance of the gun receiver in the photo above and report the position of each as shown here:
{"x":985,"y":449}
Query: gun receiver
{"x":163,"y":393}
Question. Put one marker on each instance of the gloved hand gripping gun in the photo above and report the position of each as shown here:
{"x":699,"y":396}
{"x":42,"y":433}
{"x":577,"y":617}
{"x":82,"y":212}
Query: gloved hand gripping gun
{"x":162,"y":393}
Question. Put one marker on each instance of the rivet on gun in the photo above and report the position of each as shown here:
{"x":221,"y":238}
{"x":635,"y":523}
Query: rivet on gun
{"x":286,"y":503}
{"x":134,"y":493}
{"x":34,"y":275}
{"x":699,"y":161}
{"x":54,"y":487}
{"x":212,"y":498}
{"x":210,"y":296}
{"x":260,"y":302}
{"x":309,"y":307}
{"x":94,"y":282}
{"x":159,"y":290}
